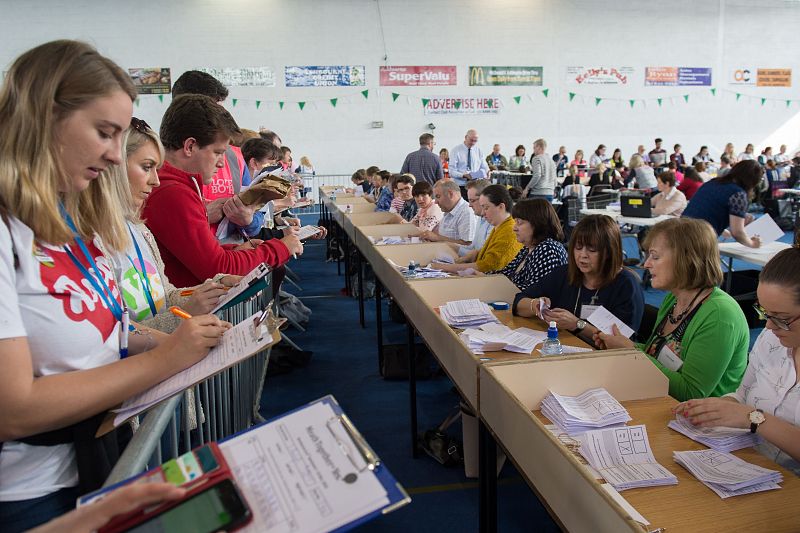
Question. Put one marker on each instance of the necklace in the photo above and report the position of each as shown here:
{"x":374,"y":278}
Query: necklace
{"x":676,"y":319}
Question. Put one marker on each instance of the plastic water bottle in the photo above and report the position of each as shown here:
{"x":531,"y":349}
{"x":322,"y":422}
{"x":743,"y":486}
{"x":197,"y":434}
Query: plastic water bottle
{"x":348,"y":209}
{"x":551,"y":345}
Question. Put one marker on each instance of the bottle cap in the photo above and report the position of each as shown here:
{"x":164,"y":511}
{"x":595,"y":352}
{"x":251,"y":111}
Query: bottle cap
{"x":553,"y":324}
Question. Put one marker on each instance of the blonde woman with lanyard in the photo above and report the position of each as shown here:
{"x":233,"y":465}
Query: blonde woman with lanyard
{"x":63,"y":110}
{"x":139,"y":270}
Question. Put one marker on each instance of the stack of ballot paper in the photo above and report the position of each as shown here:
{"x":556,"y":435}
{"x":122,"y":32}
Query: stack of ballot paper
{"x":726,"y":474}
{"x":443,"y":258}
{"x":623,"y":457}
{"x":465,"y":314}
{"x":593,"y":409}
{"x":394,"y":239}
{"x":423,"y":272}
{"x":493,"y":337}
{"x":721,"y":439}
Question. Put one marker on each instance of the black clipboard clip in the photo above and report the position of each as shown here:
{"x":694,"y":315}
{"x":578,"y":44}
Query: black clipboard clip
{"x":371,"y":460}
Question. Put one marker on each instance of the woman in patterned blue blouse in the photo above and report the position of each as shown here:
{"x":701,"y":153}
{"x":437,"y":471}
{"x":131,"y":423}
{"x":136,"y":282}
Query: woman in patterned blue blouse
{"x":537,"y":227}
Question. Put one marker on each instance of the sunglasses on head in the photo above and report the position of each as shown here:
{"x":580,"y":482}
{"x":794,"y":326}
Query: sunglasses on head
{"x":139,"y":125}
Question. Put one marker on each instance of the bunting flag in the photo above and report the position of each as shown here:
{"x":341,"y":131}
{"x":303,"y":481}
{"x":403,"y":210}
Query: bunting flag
{"x":160,"y":97}
{"x":545,"y":92}
{"x":686,"y":98}
{"x":301,"y":105}
{"x":738,"y":95}
{"x":763,"y":101}
{"x":136,"y":102}
{"x":234,"y":101}
{"x":631,"y":102}
{"x":713,"y":91}
{"x":457,"y":104}
{"x":659,"y":100}
{"x":425,"y":101}
{"x":788,"y":103}
{"x":365,"y":93}
{"x":334,"y":101}
{"x":280,"y":104}
{"x":517,"y":99}
{"x":571,"y":96}
{"x":597,"y":101}
{"x":258,"y":104}
{"x":395,"y":96}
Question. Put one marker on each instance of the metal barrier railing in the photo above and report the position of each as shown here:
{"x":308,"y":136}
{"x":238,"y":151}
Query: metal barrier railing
{"x":311,"y":185}
{"x":222,"y":405}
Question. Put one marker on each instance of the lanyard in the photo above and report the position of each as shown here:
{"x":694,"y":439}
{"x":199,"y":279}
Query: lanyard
{"x":148,"y":291}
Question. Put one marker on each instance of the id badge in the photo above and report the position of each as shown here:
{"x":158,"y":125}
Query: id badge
{"x":669,"y":359}
{"x":587,"y":310}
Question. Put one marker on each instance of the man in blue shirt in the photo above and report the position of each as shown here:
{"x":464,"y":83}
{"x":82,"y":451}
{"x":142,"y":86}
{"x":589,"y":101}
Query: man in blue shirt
{"x":467,"y":162}
{"x":423,"y":164}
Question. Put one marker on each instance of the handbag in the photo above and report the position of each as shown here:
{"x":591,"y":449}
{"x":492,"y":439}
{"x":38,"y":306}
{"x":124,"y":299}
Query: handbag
{"x":446,"y":450}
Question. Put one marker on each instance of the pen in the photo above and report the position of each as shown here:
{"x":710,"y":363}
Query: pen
{"x":180,"y":313}
{"x":123,"y":334}
{"x":189,"y":292}
{"x":244,"y":234}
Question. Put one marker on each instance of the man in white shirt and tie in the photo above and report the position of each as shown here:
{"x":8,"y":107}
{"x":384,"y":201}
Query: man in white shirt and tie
{"x":467,"y":162}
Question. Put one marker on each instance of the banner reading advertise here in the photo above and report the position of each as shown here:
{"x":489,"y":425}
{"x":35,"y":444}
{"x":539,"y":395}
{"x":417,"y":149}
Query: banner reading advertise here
{"x":761,"y":77}
{"x":418,"y":76}
{"x":481,"y":76}
{"x":325,"y":76}
{"x":677,"y":76}
{"x":468,"y":105}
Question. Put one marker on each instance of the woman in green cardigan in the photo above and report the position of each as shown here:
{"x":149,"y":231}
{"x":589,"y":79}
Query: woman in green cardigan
{"x":701,"y":336}
{"x":501,"y":245}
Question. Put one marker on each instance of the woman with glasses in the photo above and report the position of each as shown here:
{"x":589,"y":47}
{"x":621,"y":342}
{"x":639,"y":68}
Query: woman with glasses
{"x":768,"y":399}
{"x":701,"y":336}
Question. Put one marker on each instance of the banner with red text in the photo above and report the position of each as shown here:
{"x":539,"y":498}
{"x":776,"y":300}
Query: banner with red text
{"x":467,"y":105}
{"x":599,"y":75}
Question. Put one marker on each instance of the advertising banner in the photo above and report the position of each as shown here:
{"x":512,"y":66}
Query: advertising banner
{"x":325,"y":76}
{"x":761,"y":77}
{"x":468,"y":105}
{"x":482,"y":76}
{"x":408,"y":76}
{"x":155,"y":80}
{"x":599,"y":75}
{"x":243,"y":76}
{"x":677,"y":76}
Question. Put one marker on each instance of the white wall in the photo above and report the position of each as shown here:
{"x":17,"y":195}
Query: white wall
{"x":184,"y":34}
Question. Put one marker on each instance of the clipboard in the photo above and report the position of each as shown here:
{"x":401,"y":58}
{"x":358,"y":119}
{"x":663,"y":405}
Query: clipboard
{"x":250,"y":285}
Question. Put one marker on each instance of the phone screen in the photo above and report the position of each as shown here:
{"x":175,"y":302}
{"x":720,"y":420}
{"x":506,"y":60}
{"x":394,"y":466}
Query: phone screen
{"x":218,"y":507}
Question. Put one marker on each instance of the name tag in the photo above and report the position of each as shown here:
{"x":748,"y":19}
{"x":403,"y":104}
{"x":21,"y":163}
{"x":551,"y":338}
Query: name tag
{"x":668,"y":358}
{"x":587,"y":310}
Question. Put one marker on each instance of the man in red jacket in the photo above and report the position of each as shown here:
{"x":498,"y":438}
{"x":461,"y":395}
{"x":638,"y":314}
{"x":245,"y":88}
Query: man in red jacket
{"x":196,"y":131}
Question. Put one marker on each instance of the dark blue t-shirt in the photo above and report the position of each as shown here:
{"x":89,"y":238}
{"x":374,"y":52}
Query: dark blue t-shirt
{"x":623,"y":296}
{"x":715,"y":201}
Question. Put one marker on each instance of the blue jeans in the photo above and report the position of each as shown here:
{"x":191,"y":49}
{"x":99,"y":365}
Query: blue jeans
{"x":548,"y":197}
{"x":23,"y":515}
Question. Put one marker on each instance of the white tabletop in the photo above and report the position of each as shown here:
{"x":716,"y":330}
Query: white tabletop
{"x":757,"y":256}
{"x":636,"y":221}
{"x":791,"y":192}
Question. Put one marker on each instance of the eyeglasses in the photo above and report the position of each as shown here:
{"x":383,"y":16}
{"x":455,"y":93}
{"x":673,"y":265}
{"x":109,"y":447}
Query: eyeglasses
{"x":782,"y":323}
{"x":139,"y":125}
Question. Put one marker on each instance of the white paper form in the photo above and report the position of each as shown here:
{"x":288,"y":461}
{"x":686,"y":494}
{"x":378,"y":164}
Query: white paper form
{"x":302,"y":473}
{"x":237,"y":344}
{"x":603,"y":319}
{"x":722,"y":439}
{"x":254,"y":275}
{"x":623,"y":457}
{"x":307,"y":231}
{"x":711,"y":466}
{"x":765,"y":228}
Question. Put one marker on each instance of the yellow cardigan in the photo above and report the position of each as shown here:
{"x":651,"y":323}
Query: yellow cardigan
{"x":500,"y":247}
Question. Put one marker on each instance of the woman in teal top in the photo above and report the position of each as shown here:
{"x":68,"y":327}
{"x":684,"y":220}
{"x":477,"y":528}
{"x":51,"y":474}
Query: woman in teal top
{"x":701,"y":337}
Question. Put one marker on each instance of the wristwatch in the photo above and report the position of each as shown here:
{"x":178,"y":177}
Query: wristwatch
{"x":579,"y":325}
{"x":756,"y":419}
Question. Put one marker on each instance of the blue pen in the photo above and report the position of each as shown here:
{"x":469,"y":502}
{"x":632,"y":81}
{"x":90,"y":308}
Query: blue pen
{"x":123,"y":334}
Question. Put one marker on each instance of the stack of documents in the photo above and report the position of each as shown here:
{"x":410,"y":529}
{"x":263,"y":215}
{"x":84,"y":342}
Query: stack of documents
{"x":443,"y":258}
{"x":624,"y":459}
{"x":465,"y":314}
{"x":721,"y":439}
{"x":394,"y":239}
{"x":423,"y":272}
{"x":726,"y":474}
{"x":593,"y":409}
{"x":494,"y":337}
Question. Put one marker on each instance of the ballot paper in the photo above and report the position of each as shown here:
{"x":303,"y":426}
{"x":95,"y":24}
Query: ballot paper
{"x":306,"y":232}
{"x":593,"y":409}
{"x":623,"y":457}
{"x":726,"y":474}
{"x":443,"y":258}
{"x":238,"y":343}
{"x":250,"y":280}
{"x":493,"y":337}
{"x":389,"y":239}
{"x":464,"y":314}
{"x":566,"y":348}
{"x":603,"y":319}
{"x":765,"y":228}
{"x":721,"y":439}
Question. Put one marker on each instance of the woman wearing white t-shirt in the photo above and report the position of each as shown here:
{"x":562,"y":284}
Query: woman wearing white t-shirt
{"x":63,"y":110}
{"x":768,"y":399}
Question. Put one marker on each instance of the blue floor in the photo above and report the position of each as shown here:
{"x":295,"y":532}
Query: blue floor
{"x":345,"y":364}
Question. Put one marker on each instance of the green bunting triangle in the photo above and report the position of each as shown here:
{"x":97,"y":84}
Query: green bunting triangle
{"x":631,"y":102}
{"x":545,"y":92}
{"x":686,"y":98}
{"x":763,"y":101}
{"x":234,"y":101}
{"x":597,"y":100}
{"x":395,"y":96}
{"x":333,"y":101}
{"x":490,"y":102}
{"x":301,"y":105}
{"x":280,"y":104}
{"x":160,"y":97}
{"x":571,"y":96}
{"x":517,"y":99}
{"x":457,"y":104}
{"x":258,"y":104}
{"x":136,"y":102}
{"x":713,"y":91}
{"x":738,"y":95}
{"x":365,"y":93}
{"x":659,"y":100}
{"x":425,"y":101}
{"x":788,"y":103}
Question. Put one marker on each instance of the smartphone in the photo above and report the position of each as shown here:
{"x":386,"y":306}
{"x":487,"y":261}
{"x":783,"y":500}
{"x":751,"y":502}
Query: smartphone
{"x":219,"y":507}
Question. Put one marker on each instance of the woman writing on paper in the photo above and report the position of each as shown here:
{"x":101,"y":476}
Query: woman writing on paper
{"x":768,"y":399}
{"x":593,"y":277}
{"x":700,"y":339}
{"x":140,"y":270}
{"x":63,"y":111}
{"x":501,"y":246}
